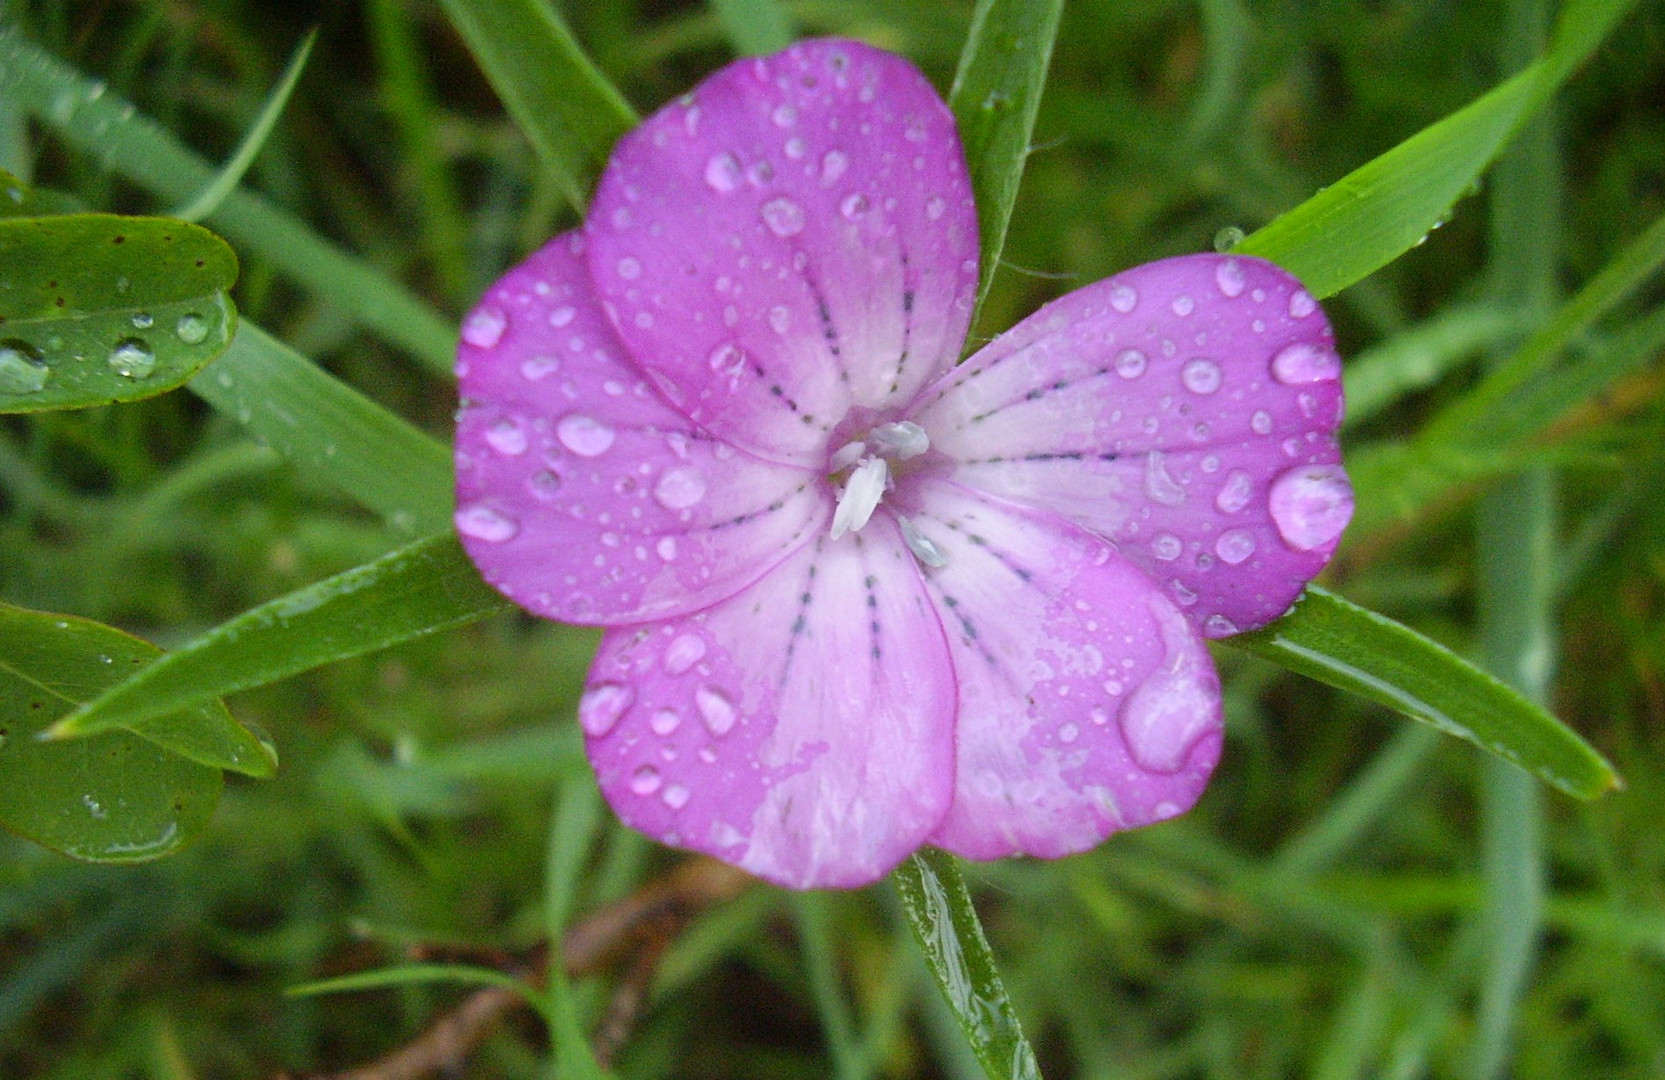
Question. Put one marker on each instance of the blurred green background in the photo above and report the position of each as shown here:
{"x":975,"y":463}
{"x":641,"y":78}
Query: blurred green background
{"x":1322,"y":913}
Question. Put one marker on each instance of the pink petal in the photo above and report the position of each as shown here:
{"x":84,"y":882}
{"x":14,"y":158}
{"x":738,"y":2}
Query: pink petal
{"x":794,"y":238}
{"x":1186,"y":410}
{"x":802,"y":729}
{"x":1088,"y":704}
{"x":581,"y":494}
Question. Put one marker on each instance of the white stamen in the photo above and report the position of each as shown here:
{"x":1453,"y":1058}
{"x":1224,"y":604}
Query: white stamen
{"x":901,"y":440}
{"x":923,"y":547}
{"x":860,"y":497}
{"x":847,"y":455}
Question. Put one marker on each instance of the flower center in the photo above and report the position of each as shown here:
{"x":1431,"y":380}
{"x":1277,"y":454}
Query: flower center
{"x":866,"y":467}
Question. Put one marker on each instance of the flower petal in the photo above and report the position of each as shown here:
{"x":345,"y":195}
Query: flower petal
{"x":793,"y":239}
{"x":1186,"y":410}
{"x":802,"y":729}
{"x":581,"y":494}
{"x":1088,"y":704}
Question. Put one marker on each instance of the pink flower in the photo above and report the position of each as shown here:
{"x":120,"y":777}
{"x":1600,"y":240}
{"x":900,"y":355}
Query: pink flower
{"x":858,"y":598}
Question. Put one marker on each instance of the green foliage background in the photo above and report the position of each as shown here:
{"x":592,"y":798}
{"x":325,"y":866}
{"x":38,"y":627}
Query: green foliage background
{"x":1353,"y":897}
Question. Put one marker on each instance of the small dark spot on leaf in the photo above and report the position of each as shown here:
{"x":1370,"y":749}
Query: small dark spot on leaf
{"x":118,"y":239}
{"x":201,"y":263}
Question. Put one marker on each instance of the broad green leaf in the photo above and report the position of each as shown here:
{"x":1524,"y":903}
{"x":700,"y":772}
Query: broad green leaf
{"x":100,"y":122}
{"x":1346,"y":646}
{"x":331,"y":431}
{"x":115,"y":798}
{"x":996,"y":93}
{"x":567,"y":109}
{"x":98,"y":308}
{"x":754,"y":27}
{"x":421,"y":588}
{"x":1381,"y":210}
{"x":946,"y":926}
{"x":60,"y":646}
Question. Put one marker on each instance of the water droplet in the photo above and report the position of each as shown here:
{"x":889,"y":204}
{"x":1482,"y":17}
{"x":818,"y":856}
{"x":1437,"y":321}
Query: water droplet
{"x":21,"y":368}
{"x":1159,"y":484}
{"x":833,"y":164}
{"x":1304,"y":362}
{"x":561,"y":316}
{"x":1261,"y":422}
{"x":1130,"y":363}
{"x":1183,"y":305}
{"x":191,"y":328}
{"x":679,"y":489}
{"x":544,"y":485}
{"x":1235,"y":545}
{"x":795,"y":148}
{"x":484,"y":523}
{"x":630,"y":268}
{"x":784,"y":217}
{"x":132,"y":358}
{"x":723,"y":173}
{"x":1301,"y":304}
{"x":934,"y":208}
{"x":1228,"y":276}
{"x":666,"y":547}
{"x":675,"y":797}
{"x":1123,"y":298}
{"x":534,"y":368}
{"x":727,"y":359}
{"x":94,"y":807}
{"x":1068,"y":733}
{"x":1219,"y":626}
{"x":484,"y":327}
{"x":1310,"y":505}
{"x":780,"y":318}
{"x":645,"y":780}
{"x":1175,"y":705}
{"x":854,"y":207}
{"x":760,"y":173}
{"x":584,"y":435}
{"x":601,"y":706}
{"x":1234,"y":493}
{"x":506,"y":437}
{"x":1166,"y":546}
{"x":143,"y":320}
{"x":1201,"y":376}
{"x":1224,"y":240}
{"x":665,"y":721}
{"x":683,"y":653}
{"x":716,"y":710}
{"x":784,"y":116}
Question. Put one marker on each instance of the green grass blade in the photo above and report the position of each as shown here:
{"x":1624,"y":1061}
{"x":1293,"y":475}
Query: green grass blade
{"x":573,"y":827}
{"x":1384,"y":208}
{"x":331,"y":431}
{"x":567,"y":109}
{"x":101,"y":123}
{"x":1417,"y":358}
{"x":253,"y":142}
{"x":754,"y":27}
{"x":415,"y":975}
{"x":996,"y":94}
{"x":421,"y":588}
{"x":950,"y":935}
{"x":1346,"y":646}
{"x":821,"y":968}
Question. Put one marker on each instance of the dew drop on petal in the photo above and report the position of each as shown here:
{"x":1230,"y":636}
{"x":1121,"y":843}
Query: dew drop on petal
{"x":716,"y":710}
{"x":1310,"y":505}
{"x":1234,"y":493}
{"x":484,"y":523}
{"x":584,"y":435}
{"x":833,"y":164}
{"x":1123,"y":298}
{"x":675,"y":797}
{"x":679,"y":489}
{"x":1130,"y":363}
{"x":683,"y":653}
{"x":1183,"y":305}
{"x":506,"y":437}
{"x":1301,"y":304}
{"x":1201,"y":376}
{"x":1219,"y":626}
{"x":534,"y":368}
{"x":854,"y":207}
{"x":666,"y":548}
{"x":665,"y":721}
{"x":1304,"y":362}
{"x":1234,"y":545}
{"x":1228,"y":276}
{"x":544,"y":485}
{"x":630,"y":268}
{"x":935,"y":207}
{"x":484,"y":327}
{"x":601,"y":706}
{"x":784,"y":217}
{"x":1166,"y":546}
{"x":1159,"y":484}
{"x":645,"y":780}
{"x":1261,"y":422}
{"x":780,"y":318}
{"x":723,"y":173}
{"x":1164,"y":717}
{"x":561,"y":316}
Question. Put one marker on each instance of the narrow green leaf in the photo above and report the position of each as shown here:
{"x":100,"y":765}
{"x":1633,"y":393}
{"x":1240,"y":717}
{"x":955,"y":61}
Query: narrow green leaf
{"x":99,"y":308}
{"x":572,"y":830}
{"x":815,"y":938}
{"x":115,"y":798}
{"x":1384,"y":208}
{"x":427,"y":586}
{"x":948,"y":931}
{"x":1346,"y":646}
{"x":567,"y":109}
{"x":1420,"y":356}
{"x":996,"y":94}
{"x":416,"y":975}
{"x":253,"y":142}
{"x":331,"y":431}
{"x":99,"y":122}
{"x":754,"y":27}
{"x":18,"y":199}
